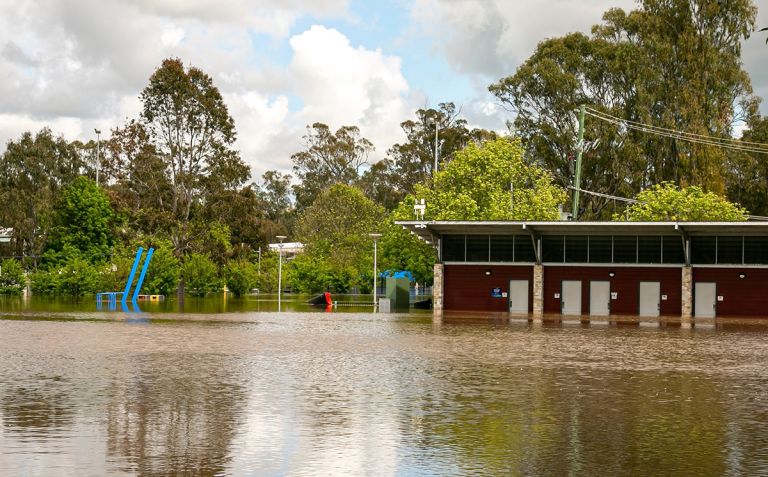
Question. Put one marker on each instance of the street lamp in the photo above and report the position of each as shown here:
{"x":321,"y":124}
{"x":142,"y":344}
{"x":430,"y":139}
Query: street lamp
{"x":280,"y":272}
{"x":98,"y":154}
{"x":375,"y":238}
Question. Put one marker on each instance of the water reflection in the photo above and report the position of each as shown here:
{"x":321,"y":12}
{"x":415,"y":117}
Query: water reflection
{"x":363,"y":394}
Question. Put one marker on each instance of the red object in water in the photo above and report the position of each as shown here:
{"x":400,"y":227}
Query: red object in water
{"x":328,"y":298}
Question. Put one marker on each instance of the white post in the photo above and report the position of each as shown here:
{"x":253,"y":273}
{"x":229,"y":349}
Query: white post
{"x":375,"y":253}
{"x":280,"y":273}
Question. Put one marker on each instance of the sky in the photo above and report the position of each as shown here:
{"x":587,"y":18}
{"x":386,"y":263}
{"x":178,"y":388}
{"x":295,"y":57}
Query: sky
{"x":76,"y":65}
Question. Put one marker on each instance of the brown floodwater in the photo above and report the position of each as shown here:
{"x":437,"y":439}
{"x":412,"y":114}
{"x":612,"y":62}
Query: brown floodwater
{"x":355,"y":393}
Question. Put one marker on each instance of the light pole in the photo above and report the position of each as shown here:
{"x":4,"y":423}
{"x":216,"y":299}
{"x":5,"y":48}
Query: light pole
{"x":280,"y":273}
{"x":375,"y":238}
{"x":98,"y":154}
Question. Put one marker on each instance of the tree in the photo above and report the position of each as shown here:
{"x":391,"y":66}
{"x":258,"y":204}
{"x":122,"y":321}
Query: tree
{"x":190,"y":131}
{"x":240,"y":276}
{"x":33,"y":170}
{"x":747,"y":172}
{"x":412,"y":162}
{"x":335,"y":230}
{"x":488,"y":182}
{"x":328,"y":158}
{"x":199,"y":274}
{"x":667,"y":202}
{"x":674,"y":64}
{"x":83,"y":220}
{"x":12,"y":278}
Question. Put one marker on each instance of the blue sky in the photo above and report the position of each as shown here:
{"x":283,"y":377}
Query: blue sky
{"x":281,"y":64}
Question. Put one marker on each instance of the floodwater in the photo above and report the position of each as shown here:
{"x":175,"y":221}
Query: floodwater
{"x":86,"y":392}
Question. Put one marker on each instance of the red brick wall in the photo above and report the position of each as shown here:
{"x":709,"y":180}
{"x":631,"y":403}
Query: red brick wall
{"x":625,"y":282}
{"x":467,"y":287}
{"x":746,"y":296}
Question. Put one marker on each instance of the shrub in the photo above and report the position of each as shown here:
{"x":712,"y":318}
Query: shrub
{"x":241,"y":276}
{"x":12,"y":279}
{"x":199,"y":274}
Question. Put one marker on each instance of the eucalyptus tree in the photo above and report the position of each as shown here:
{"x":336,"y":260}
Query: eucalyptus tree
{"x":191,"y":135}
{"x":674,"y":64}
{"x":33,"y":169}
{"x":328,"y":158}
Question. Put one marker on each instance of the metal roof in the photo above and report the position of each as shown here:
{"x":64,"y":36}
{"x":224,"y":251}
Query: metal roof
{"x":430,"y":230}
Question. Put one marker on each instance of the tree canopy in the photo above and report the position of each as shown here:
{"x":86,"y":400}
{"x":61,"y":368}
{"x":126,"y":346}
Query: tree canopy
{"x":489,"y":181}
{"x":673,"y":64}
{"x":667,"y":202}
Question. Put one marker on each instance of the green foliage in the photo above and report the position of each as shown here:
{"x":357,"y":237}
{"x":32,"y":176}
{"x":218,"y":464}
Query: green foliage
{"x":163,"y":272}
{"x":476,"y":186}
{"x":74,"y":277}
{"x":412,"y":162}
{"x":200,"y":275}
{"x":241,"y":276}
{"x":748,"y":171}
{"x":666,"y":202}
{"x":674,"y":64}
{"x":267,"y":279}
{"x":328,"y":158}
{"x":338,"y":248}
{"x":401,"y":250}
{"x":12,"y":278}
{"x":33,"y":170}
{"x":83,"y":219}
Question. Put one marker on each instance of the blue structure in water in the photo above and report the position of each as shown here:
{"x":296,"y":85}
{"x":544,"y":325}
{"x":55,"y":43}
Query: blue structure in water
{"x":111,"y":297}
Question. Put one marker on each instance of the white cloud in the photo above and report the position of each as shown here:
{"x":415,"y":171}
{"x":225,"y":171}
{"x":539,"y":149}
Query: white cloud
{"x":343,"y":85}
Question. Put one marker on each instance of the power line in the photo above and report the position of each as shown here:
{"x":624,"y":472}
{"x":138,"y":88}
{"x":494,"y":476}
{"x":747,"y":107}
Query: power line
{"x":635,"y":201}
{"x":732,"y":144}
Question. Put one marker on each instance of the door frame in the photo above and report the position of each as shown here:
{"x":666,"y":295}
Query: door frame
{"x":527,"y":296}
{"x":640,"y":301}
{"x":609,"y":296}
{"x":693,"y":296}
{"x":562,"y":297}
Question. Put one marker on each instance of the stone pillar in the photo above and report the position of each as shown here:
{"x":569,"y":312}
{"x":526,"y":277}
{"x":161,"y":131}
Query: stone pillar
{"x":686,"y":293}
{"x":538,"y":292}
{"x":437,"y":289}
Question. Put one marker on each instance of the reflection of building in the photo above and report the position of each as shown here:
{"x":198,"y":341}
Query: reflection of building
{"x":290,"y":249}
{"x":702,"y":269}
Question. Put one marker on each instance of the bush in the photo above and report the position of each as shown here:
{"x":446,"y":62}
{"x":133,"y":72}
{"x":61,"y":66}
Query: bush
{"x":163,"y":272}
{"x":199,"y":274}
{"x":241,"y":276}
{"x":76,"y":277}
{"x":12,"y":279}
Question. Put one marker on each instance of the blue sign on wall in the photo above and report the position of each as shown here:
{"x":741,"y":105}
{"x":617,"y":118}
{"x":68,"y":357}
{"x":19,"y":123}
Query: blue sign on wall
{"x":496,"y":292}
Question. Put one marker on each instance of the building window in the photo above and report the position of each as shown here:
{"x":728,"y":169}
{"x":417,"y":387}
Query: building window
{"x":625,"y":249}
{"x":730,"y":250}
{"x":454,"y":248}
{"x":672,"y":249}
{"x":576,"y":248}
{"x":648,"y":249}
{"x":502,"y":248}
{"x":553,"y":248}
{"x":600,"y":249}
{"x":524,"y":249}
{"x":478,"y":247}
{"x":756,"y":250}
{"x":703,"y":250}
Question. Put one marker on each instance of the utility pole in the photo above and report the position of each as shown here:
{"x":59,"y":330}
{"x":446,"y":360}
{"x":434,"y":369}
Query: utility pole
{"x":437,"y":154}
{"x":98,"y":154}
{"x":579,"y":151}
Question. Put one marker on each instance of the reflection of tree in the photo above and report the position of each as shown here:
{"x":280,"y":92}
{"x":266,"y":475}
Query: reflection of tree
{"x":39,"y":406}
{"x":533,"y":421}
{"x":176,"y":416}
